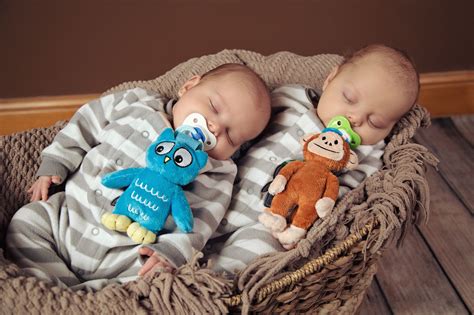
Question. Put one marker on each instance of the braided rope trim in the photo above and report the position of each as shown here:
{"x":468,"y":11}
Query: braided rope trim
{"x":309,"y":268}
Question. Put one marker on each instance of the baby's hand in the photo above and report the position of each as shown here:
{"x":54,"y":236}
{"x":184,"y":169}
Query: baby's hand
{"x":153,"y":262}
{"x":39,"y":189}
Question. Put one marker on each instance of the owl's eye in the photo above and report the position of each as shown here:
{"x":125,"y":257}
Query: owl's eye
{"x":182,"y":157}
{"x":164,"y":147}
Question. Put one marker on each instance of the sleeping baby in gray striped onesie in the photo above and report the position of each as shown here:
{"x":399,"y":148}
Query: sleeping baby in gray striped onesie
{"x":60,"y":238}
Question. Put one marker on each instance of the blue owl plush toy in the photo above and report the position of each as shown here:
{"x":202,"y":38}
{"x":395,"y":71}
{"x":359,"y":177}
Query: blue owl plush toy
{"x":173,"y":160}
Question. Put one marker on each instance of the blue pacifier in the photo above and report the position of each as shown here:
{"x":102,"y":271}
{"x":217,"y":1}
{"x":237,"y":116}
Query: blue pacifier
{"x":195,"y":126}
{"x":342,"y":124}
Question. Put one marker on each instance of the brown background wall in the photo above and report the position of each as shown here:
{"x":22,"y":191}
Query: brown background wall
{"x":70,"y":47}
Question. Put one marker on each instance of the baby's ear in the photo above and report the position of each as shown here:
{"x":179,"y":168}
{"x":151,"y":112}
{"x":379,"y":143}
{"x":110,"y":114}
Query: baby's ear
{"x":306,"y":137}
{"x":330,"y":76}
{"x":189,"y":84}
{"x":352,"y":162}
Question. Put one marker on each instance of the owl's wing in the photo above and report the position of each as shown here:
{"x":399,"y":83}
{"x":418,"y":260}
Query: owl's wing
{"x":122,"y":178}
{"x":181,"y":212}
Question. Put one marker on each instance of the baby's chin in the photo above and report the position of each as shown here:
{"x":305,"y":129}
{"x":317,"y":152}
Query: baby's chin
{"x":218,"y":155}
{"x":367,"y":143}
{"x":371,"y":141}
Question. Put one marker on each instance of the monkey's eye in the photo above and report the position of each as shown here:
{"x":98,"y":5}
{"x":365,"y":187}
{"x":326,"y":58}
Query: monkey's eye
{"x":323,"y":138}
{"x":336,"y":142}
{"x":164,"y":147}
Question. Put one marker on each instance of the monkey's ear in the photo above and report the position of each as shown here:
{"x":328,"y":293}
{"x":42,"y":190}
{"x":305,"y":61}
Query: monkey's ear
{"x":307,"y":136}
{"x":352,"y":162}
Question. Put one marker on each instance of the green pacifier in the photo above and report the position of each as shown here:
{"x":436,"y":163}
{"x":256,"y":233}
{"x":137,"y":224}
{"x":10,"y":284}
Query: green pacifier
{"x":343,"y":124}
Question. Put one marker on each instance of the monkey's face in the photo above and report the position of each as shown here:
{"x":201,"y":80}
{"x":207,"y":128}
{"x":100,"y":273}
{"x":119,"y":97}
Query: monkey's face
{"x":328,"y":144}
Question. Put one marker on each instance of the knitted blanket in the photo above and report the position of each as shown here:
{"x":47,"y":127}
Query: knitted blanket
{"x":389,"y":201}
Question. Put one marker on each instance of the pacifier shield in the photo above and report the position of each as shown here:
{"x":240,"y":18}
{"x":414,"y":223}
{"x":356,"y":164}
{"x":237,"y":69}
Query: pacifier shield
{"x":196,"y":125}
{"x":343,"y":124}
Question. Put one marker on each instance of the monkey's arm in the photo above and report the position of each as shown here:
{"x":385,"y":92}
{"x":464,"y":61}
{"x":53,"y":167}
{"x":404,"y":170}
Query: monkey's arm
{"x":332,"y":187}
{"x":279,"y":182}
{"x":326,"y":203}
{"x":291,"y":168}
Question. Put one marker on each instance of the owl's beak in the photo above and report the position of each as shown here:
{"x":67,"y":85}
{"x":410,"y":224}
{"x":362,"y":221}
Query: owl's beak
{"x":167,"y":158}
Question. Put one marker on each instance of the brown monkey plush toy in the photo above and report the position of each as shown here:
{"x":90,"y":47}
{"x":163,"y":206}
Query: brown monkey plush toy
{"x":308,"y":185}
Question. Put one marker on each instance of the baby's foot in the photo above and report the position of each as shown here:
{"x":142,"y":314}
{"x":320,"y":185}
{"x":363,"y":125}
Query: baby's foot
{"x":140,"y":235}
{"x":115,"y":222}
{"x":289,"y":237}
{"x":274,"y":222}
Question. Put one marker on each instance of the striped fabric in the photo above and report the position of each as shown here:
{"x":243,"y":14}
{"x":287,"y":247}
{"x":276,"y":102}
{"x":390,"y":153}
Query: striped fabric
{"x":63,"y":240}
{"x":240,"y":237}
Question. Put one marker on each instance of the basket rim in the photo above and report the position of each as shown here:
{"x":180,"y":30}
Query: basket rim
{"x":307,"y":269}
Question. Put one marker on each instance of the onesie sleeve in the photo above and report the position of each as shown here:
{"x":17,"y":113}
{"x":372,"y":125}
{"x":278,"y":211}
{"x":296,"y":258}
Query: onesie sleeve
{"x":370,"y":161}
{"x":209,"y":196}
{"x":83,"y":132}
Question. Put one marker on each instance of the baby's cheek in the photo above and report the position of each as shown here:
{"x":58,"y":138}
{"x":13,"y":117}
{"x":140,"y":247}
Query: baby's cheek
{"x":364,"y":134}
{"x":216,"y":153}
{"x":371,"y":136}
{"x":325,"y":115}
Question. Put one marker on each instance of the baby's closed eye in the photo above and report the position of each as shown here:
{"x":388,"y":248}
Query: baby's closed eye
{"x":349,"y":97}
{"x":377,"y":123}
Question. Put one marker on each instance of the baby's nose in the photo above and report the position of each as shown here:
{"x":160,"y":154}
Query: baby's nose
{"x":214,"y":127}
{"x":354,"y":120}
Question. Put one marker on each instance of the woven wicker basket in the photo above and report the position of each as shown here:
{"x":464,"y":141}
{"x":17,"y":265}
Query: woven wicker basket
{"x":327,"y":272}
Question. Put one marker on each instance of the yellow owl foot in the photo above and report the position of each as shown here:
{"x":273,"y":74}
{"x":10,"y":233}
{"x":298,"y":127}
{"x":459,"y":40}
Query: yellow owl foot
{"x":140,"y":235}
{"x":116,"y":222}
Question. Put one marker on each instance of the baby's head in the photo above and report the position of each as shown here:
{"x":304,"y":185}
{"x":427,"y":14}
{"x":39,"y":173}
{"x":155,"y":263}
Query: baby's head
{"x":373,"y":88}
{"x":233,"y":99}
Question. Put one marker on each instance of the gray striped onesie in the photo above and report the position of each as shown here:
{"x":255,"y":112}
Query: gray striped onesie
{"x":62,"y":239}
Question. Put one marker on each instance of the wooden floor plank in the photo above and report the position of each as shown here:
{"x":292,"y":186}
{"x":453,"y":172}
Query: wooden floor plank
{"x":450,"y":235}
{"x":374,"y":302}
{"x":413,"y":282}
{"x":434,"y":271}
{"x":465,"y":125}
{"x":456,"y":156}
